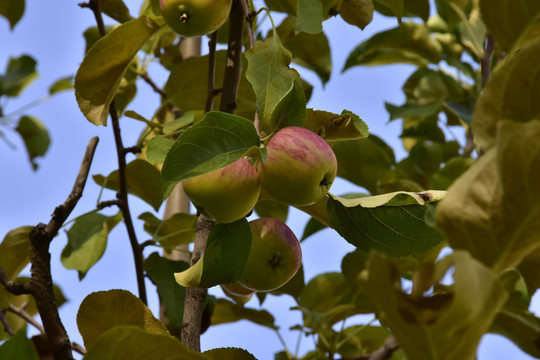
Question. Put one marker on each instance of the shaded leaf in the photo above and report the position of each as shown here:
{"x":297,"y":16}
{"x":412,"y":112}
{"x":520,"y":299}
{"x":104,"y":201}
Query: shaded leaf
{"x":217,"y":140}
{"x":228,"y":354}
{"x":291,"y":109}
{"x":92,"y":35}
{"x":12,"y":10}
{"x":225,"y":257}
{"x":357,"y":12}
{"x":313,"y":226}
{"x":294,"y":286}
{"x":392,"y":223}
{"x":20,"y":72}
{"x":18,"y":347}
{"x":104,"y":310}
{"x":411,"y":109}
{"x":143,"y":180}
{"x":226,"y":312}
{"x":334,"y":127}
{"x":178,"y":229}
{"x":160,"y":270}
{"x":397,"y":7}
{"x":309,"y":15}
{"x":134,"y":343}
{"x":116,"y":9}
{"x":35,"y":136}
{"x":451,"y":171}
{"x":463,"y":109}
{"x":97,"y":81}
{"x":272,"y":209}
{"x":411,"y":8}
{"x":61,"y":85}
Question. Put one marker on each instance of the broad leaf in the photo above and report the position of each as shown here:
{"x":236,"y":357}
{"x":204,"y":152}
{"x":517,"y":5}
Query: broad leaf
{"x":412,"y":109}
{"x":18,"y":347}
{"x":393,"y":223}
{"x":12,"y":10}
{"x":408,"y":43}
{"x":227,"y":312}
{"x":35,"y":136}
{"x":493,"y":210}
{"x":273,"y":209}
{"x":61,"y":85}
{"x":228,"y":354}
{"x":143,"y":180}
{"x":225,"y":257}
{"x":134,"y":343}
{"x":451,"y":171}
{"x":411,"y":8}
{"x":97,"y":81}
{"x":447,"y":10}
{"x":212,"y":143}
{"x":512,"y":92}
{"x":158,"y":148}
{"x":291,"y":109}
{"x":446,"y":325}
{"x":87,"y":240}
{"x":269,"y":73}
{"x":334,"y":127}
{"x":309,"y":15}
{"x":397,"y":7}
{"x":177,"y":230}
{"x":104,"y":310}
{"x":116,"y":9}
{"x":160,"y":270}
{"x":313,"y":226}
{"x":14,"y":250}
{"x":357,"y":12}
{"x":20,"y":72}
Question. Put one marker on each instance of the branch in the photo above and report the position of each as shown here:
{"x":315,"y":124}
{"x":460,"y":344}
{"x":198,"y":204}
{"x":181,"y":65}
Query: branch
{"x":12,"y":286}
{"x":385,"y":352}
{"x":20,"y":312}
{"x":250,"y":17}
{"x":211,"y":94}
{"x":122,"y":195}
{"x":153,"y":85}
{"x":5,"y":323}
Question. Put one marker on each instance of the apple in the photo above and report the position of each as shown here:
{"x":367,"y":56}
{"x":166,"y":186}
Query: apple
{"x":274,"y":258}
{"x":239,"y":299}
{"x":300,"y":167}
{"x":195,"y":17}
{"x":235,"y":288}
{"x":227,"y":194}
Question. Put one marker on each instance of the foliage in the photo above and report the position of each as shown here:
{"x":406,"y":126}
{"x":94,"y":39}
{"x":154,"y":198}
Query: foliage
{"x":474,"y":69}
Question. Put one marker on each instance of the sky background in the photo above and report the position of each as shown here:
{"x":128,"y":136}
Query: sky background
{"x":52,"y":34}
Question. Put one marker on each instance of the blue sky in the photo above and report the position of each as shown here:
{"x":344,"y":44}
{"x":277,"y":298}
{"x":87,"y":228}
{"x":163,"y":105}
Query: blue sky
{"x":52,"y":34}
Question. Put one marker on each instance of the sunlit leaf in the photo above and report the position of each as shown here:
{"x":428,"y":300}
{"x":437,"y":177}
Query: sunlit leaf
{"x":12,"y":10}
{"x":14,"y":250}
{"x":228,"y":354}
{"x":227,"y":312}
{"x":291,"y":109}
{"x":87,"y":240}
{"x":225,"y":257}
{"x":61,"y":85}
{"x":98,"y":80}
{"x":18,"y":347}
{"x":20,"y":72}
{"x":35,"y":136}
{"x":104,"y":310}
{"x":116,"y":9}
{"x":334,"y":127}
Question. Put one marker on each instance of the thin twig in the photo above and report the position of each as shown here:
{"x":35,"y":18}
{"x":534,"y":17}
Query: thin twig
{"x":250,"y":17}
{"x":12,"y":286}
{"x":5,"y":323}
{"x":153,"y":85}
{"x":20,"y":312}
{"x":211,"y":94}
{"x":78,"y":348}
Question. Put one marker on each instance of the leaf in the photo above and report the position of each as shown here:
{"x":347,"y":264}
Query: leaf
{"x":273,"y":209}
{"x":357,"y":12}
{"x":159,"y":270}
{"x":411,"y":8}
{"x":506,"y":20}
{"x":97,"y":80}
{"x":226,"y":312}
{"x":87,"y":240}
{"x":228,"y":354}
{"x":309,"y":15}
{"x":187,"y":86}
{"x":395,"y":5}
{"x":20,"y":72}
{"x":178,"y":229}
{"x":225,"y":257}
{"x":18,"y":347}
{"x":294,"y":286}
{"x":392,"y":223}
{"x":14,"y":250}
{"x":157,"y":149}
{"x":408,"y":43}
{"x":35,"y":136}
{"x":291,"y":109}
{"x":116,"y":9}
{"x":92,"y":35}
{"x":143,"y":180}
{"x":447,"y":10}
{"x":104,"y":310}
{"x":217,"y":140}
{"x":445,"y":325}
{"x":333,"y":127}
{"x":365,"y":162}
{"x":463,"y":109}
{"x":313,"y":226}
{"x":493,"y":209}
{"x":451,"y":171}
{"x":411,"y":109}
{"x":61,"y":85}
{"x":512,"y":91}
{"x":12,"y":10}
{"x":134,"y":343}
{"x":269,"y":73}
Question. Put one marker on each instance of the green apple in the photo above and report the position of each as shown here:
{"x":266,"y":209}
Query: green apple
{"x":235,"y":288}
{"x":274,"y":258}
{"x":195,"y":17}
{"x":300,"y":167}
{"x":227,"y":194}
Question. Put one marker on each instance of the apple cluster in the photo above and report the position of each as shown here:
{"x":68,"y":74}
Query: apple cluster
{"x":299,"y":170}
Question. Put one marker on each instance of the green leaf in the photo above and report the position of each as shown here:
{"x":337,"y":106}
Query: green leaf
{"x":411,"y":8}
{"x":134,"y":343}
{"x":447,"y":10}
{"x":104,"y":310}
{"x":20,"y":72}
{"x":365,"y":162}
{"x":18,"y":347}
{"x":396,"y":6}
{"x":116,"y":9}
{"x":273,"y":209}
{"x":427,"y":86}
{"x":143,"y":181}
{"x":411,"y":109}
{"x":408,"y":43}
{"x":226,"y":312}
{"x":269,"y":73}
{"x":228,"y":354}
{"x":87,"y":240}
{"x":12,"y":10}
{"x":187,"y":85}
{"x":225,"y":257}
{"x":160,"y":270}
{"x":417,"y":129}
{"x":392,"y":223}
{"x":179,"y":229}
{"x":309,"y":15}
{"x":445,"y":325}
{"x":334,"y":127}
{"x":212,"y":143}
{"x":97,"y":81}
{"x":294,"y":286}
{"x":92,"y":35}
{"x":61,"y":85}
{"x":35,"y":136}
{"x":506,"y":20}
{"x":357,"y":12}
{"x":463,"y":109}
{"x":451,"y":171}
{"x":313,"y":226}
{"x":291,"y":109}
{"x":492,"y":210}
{"x":512,"y":91}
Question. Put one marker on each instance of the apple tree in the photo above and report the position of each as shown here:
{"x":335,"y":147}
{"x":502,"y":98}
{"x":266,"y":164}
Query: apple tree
{"x":447,"y":238}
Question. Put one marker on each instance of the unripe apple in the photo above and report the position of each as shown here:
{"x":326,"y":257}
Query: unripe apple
{"x":195,"y":17}
{"x":274,"y":258}
{"x":237,"y":289}
{"x":300,"y":167}
{"x":227,"y":194}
